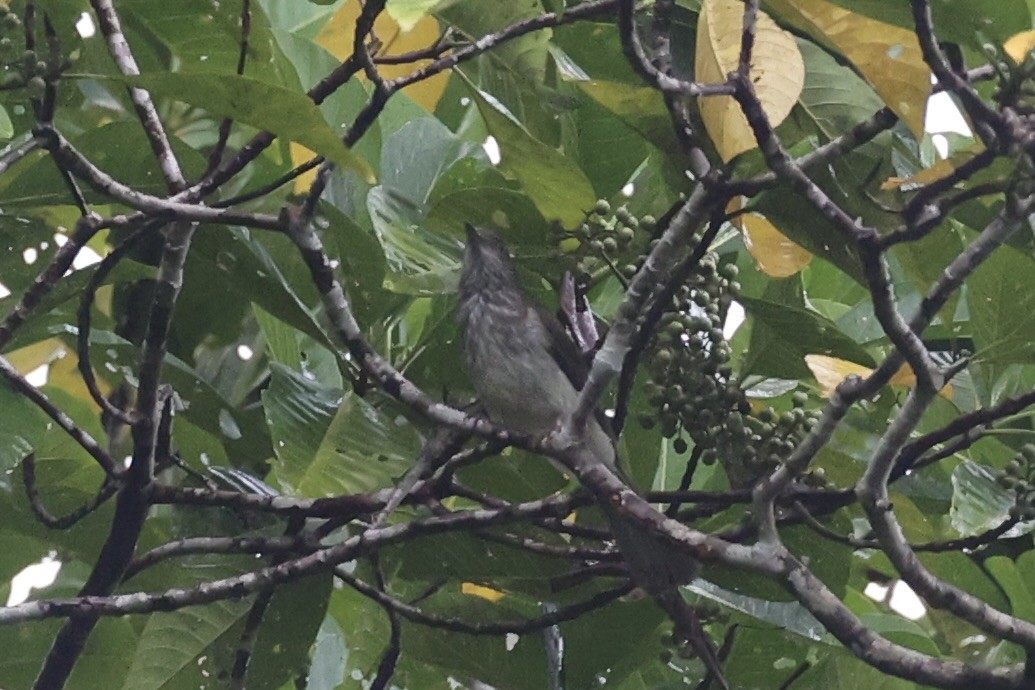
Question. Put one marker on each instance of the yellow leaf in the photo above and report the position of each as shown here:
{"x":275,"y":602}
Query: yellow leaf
{"x":36,"y":355}
{"x":300,"y":154}
{"x":831,"y":371}
{"x":486,"y":593}
{"x":777,"y":71}
{"x":888,"y":56}
{"x":774,"y":253}
{"x":64,"y":374}
{"x":1019,"y":45}
{"x":336,"y":37}
{"x":942,"y":168}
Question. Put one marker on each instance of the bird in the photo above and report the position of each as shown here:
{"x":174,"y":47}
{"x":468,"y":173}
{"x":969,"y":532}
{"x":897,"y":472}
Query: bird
{"x":527,"y":374}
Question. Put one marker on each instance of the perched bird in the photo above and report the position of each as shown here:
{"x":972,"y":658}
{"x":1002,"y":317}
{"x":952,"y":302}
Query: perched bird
{"x":528,"y":374}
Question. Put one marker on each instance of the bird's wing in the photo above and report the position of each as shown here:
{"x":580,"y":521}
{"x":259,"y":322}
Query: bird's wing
{"x":569,"y":358}
{"x":563,"y":350}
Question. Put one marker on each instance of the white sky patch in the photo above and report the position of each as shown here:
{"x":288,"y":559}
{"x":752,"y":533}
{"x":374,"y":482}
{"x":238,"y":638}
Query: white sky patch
{"x":899,"y":597}
{"x":85,"y":257}
{"x":38,"y":376}
{"x":905,"y":602}
{"x":734,"y":319}
{"x":628,"y":190}
{"x":30,"y":255}
{"x":85,"y":26}
{"x":941,"y":145}
{"x":4,"y":292}
{"x":245,"y":352}
{"x":35,"y":576}
{"x":944,"y":116}
{"x":876,"y":591}
{"x":492,"y":150}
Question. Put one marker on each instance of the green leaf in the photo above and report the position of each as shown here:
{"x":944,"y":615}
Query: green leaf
{"x":114,"y":148}
{"x":1015,"y":579}
{"x":552,"y":180}
{"x":296,"y":350}
{"x":289,"y":627}
{"x":328,"y":442}
{"x":962,"y":571}
{"x":240,"y":266}
{"x":495,"y":660}
{"x":639,"y":107}
{"x":181,"y":649}
{"x":965,"y":21}
{"x":844,"y":671}
{"x":419,"y":262}
{"x":979,"y":503}
{"x":1001,"y":298}
{"x":409,"y":12}
{"x":6,"y":126}
{"x":266,"y":106}
{"x":834,"y":97}
{"x":782,"y":335}
{"x":21,"y":429}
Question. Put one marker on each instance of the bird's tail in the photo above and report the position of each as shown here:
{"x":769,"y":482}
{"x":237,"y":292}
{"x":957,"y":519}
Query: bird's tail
{"x":656,"y":565}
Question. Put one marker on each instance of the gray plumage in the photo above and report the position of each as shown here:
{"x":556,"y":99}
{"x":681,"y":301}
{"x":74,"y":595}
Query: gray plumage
{"x":528,"y":372}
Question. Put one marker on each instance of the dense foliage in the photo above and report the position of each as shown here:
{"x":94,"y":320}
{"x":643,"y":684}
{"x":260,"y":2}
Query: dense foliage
{"x":233,"y":232}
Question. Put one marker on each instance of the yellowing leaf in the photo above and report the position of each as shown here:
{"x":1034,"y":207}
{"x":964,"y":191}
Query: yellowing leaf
{"x":486,"y":593}
{"x":36,"y":355}
{"x":942,"y":168}
{"x":419,"y":31}
{"x":64,"y":374}
{"x":415,"y":30}
{"x":1019,"y":45}
{"x":640,"y":107}
{"x":777,"y":71}
{"x":300,"y":154}
{"x":775,"y":254}
{"x":888,"y":56}
{"x":831,"y":371}
{"x":410,"y":12}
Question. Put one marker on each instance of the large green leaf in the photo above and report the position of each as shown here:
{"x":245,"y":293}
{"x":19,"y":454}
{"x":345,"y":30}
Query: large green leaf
{"x":329,"y":442}
{"x":979,"y":503}
{"x":1010,"y":575}
{"x":266,"y":106}
{"x":22,"y":427}
{"x":289,"y":627}
{"x":782,"y":335}
{"x":1001,"y":298}
{"x":115,"y":148}
{"x":965,"y":21}
{"x":552,"y":180}
{"x":181,"y":649}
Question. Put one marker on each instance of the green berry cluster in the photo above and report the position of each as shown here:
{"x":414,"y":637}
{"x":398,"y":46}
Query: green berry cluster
{"x":691,"y":385}
{"x":28,"y":69}
{"x":691,"y":382}
{"x":615,"y":237}
{"x":1019,"y":477}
